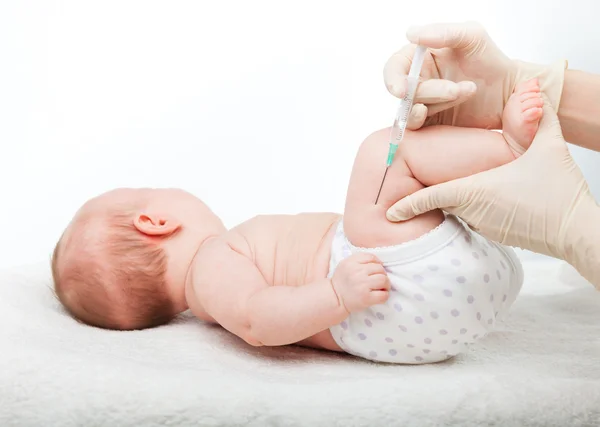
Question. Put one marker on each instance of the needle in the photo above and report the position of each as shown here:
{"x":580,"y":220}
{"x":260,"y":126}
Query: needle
{"x":381,"y":186}
{"x":401,"y":119}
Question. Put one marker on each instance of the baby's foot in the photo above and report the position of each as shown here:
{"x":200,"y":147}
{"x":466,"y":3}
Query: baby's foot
{"x":521,"y":116}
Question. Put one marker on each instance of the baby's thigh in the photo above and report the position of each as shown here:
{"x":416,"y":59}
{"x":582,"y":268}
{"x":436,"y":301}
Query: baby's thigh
{"x":365,"y":223}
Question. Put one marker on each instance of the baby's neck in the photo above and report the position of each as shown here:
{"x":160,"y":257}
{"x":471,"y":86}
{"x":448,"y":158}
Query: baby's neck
{"x":193,"y":302}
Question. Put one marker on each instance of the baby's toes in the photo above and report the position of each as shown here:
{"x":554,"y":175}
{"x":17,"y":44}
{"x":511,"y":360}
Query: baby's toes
{"x":532,"y":114}
{"x":533,"y":102}
{"x":532,"y":85}
{"x":529,"y":95}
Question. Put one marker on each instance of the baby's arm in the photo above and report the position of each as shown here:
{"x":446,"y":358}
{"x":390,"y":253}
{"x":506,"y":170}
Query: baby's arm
{"x":426,"y":157}
{"x":231,"y":289}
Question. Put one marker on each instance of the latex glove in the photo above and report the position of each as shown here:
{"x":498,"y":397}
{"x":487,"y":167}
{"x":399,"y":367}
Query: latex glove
{"x":466,"y":80}
{"x":539,"y":202}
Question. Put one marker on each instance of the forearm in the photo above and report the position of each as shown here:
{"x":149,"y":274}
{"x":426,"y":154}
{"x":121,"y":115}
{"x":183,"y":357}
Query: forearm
{"x":443,"y":153}
{"x":582,"y":249}
{"x":579,"y":110}
{"x":281,"y":315}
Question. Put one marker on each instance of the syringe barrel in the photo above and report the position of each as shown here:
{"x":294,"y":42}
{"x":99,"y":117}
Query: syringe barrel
{"x":401,"y":120}
{"x":406,"y":102}
{"x":417,"y":62}
{"x":397,"y":131}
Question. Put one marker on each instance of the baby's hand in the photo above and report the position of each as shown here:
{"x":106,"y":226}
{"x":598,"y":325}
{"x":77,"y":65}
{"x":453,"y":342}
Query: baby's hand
{"x":360,"y":281}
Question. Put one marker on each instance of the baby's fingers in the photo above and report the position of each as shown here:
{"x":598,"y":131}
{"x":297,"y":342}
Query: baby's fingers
{"x":378,"y":297}
{"x":365,"y":258}
{"x":374,"y":268}
{"x":379,"y":282}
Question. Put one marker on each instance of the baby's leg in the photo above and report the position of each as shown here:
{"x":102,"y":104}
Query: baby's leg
{"x":521,"y":116}
{"x":427,"y":157}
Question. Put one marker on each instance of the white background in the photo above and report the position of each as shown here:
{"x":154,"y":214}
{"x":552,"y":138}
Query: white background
{"x":254,"y":106}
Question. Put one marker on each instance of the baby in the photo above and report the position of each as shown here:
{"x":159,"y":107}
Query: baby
{"x":413,"y":292}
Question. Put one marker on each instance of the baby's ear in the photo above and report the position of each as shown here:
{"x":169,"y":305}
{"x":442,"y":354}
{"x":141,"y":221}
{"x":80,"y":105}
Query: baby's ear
{"x":155,"y":225}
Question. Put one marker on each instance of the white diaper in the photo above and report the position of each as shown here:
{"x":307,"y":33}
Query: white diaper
{"x":449,"y":288}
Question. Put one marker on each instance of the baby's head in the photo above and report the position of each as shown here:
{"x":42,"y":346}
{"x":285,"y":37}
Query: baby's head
{"x":123,"y":260}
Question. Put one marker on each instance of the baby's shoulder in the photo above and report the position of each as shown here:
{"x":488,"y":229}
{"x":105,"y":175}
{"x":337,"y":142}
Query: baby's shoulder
{"x":220,"y":247}
{"x":260,"y":238}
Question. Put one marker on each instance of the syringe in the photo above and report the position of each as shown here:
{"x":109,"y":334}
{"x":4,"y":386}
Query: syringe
{"x":399,"y":126}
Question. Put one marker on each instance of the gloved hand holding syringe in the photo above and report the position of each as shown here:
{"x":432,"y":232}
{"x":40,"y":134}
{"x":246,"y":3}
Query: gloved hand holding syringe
{"x":401,"y":120}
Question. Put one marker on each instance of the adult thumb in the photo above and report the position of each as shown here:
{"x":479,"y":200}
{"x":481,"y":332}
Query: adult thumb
{"x":549,"y":127}
{"x":436,"y":197}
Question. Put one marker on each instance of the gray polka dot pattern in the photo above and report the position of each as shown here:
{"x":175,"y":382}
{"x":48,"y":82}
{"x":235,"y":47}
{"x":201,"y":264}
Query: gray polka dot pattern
{"x":441,"y":303}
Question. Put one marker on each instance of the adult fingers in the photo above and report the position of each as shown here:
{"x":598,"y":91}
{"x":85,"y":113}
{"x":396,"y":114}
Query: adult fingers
{"x":439,"y":196}
{"x":465,"y":35}
{"x":417,"y":117}
{"x":464,"y":90}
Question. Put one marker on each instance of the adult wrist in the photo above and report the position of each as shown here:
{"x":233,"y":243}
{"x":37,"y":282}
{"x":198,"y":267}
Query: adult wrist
{"x":582,"y":242}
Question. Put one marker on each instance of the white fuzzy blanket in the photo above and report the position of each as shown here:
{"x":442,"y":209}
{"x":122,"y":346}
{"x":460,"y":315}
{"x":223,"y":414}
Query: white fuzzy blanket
{"x":542,"y":369}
